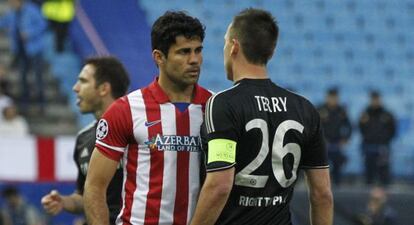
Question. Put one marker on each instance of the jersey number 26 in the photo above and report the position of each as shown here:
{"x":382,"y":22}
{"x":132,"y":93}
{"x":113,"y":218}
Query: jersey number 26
{"x":246,"y":179}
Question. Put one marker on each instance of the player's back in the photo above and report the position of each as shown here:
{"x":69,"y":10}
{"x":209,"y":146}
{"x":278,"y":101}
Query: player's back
{"x":276,"y":132}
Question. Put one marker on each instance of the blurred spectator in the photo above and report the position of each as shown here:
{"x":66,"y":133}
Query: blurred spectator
{"x":337,"y":130}
{"x":4,"y":83}
{"x":59,"y":13}
{"x":38,"y":2}
{"x":5,"y":99}
{"x":378,"y":211}
{"x":2,"y":222}
{"x":12,"y":124}
{"x":377,"y":127}
{"x":18,"y":212}
{"x":26,"y":27}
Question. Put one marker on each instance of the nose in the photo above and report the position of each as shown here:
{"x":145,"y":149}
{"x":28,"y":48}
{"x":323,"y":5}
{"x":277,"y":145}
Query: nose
{"x":75,"y":87}
{"x":195,"y":58}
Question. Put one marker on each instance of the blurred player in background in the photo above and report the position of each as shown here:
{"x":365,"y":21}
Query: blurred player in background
{"x":101,"y":81}
{"x":259,"y":135}
{"x":378,"y":128}
{"x":156,"y":130}
{"x":337,"y":130}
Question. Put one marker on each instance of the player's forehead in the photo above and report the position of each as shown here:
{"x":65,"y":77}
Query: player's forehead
{"x":227,"y":34}
{"x":87,"y":72}
{"x":183,"y":42}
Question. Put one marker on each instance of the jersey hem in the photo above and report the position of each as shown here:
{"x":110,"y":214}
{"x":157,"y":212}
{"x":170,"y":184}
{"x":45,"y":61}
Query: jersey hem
{"x":221,"y":168}
{"x":118,"y":149}
{"x":109,"y":154}
{"x":314,"y":167}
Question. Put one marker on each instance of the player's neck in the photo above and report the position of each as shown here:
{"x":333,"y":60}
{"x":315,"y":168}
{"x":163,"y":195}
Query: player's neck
{"x":176,"y":92}
{"x":104,"y":106}
{"x":248,"y":71}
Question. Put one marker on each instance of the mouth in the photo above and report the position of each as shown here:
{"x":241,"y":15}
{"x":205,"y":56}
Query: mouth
{"x":78,"y":101}
{"x":193,"y":72}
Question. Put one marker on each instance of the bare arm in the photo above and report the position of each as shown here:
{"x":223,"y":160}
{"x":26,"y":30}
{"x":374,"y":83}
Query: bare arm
{"x":213,"y":196}
{"x":100,"y":172}
{"x":53,"y":203}
{"x":320,"y":195}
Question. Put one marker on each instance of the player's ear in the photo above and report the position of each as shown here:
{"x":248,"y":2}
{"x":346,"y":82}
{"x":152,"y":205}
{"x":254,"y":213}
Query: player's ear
{"x":105,"y":89}
{"x":158,"y":56}
{"x":235,"y":48}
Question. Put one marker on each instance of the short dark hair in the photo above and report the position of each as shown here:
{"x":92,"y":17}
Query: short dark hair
{"x":110,"y":69}
{"x":172,"y":24}
{"x":257,"y":32}
{"x":333,"y":91}
{"x":375,"y":94}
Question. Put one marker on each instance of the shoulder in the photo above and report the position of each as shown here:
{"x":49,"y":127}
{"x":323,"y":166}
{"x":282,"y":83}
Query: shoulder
{"x":201,"y":95}
{"x":225,"y":95}
{"x":203,"y":91}
{"x":389,"y":113}
{"x":343,"y":108}
{"x":321,"y":107}
{"x":88,"y":128}
{"x":119,"y":105}
{"x":302,"y":101}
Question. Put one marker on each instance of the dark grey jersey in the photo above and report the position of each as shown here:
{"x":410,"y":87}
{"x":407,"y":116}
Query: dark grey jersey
{"x":277,"y":132}
{"x":85,"y":143}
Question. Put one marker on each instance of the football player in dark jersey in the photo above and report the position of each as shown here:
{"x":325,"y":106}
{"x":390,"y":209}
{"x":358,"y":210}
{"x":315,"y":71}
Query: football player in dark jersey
{"x":259,"y":135}
{"x":101,"y":81}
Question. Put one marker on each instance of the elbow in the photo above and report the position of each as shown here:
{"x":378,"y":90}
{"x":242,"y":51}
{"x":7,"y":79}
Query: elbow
{"x":91,"y":188}
{"x":322,"y":198}
{"x":221,"y":188}
{"x":224,"y":189}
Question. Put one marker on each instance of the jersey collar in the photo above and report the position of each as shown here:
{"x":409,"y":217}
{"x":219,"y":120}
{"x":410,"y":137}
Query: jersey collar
{"x":200,"y":94}
{"x":254,"y":81}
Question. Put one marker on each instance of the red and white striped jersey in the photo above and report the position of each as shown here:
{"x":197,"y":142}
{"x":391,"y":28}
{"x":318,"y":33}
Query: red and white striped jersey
{"x":161,"y":150}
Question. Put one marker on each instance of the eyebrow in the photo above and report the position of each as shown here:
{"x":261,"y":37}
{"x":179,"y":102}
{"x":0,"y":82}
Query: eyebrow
{"x":189,"y":48}
{"x":82,"y":79}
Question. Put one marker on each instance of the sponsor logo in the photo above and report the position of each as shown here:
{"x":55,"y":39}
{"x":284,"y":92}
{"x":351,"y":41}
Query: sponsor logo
{"x":102,"y":129}
{"x":174,"y":143}
{"x":261,"y":201}
{"x":84,"y":153}
{"x":152,"y":123}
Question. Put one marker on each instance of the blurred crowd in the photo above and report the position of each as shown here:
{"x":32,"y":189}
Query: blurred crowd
{"x":25,"y":24}
{"x":16,"y":211}
{"x":377,"y":127}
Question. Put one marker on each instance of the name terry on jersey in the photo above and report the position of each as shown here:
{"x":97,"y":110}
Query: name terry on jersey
{"x":174,"y":143}
{"x":261,"y":201}
{"x":274,"y":104}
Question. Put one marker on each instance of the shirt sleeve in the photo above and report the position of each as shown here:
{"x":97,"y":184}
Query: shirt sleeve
{"x":315,"y":155}
{"x":114,"y":130}
{"x":80,"y":179}
{"x":220,"y":124}
{"x":80,"y":182}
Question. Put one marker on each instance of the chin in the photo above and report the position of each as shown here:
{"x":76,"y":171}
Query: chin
{"x":84,"y":110}
{"x":192,"y":80}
